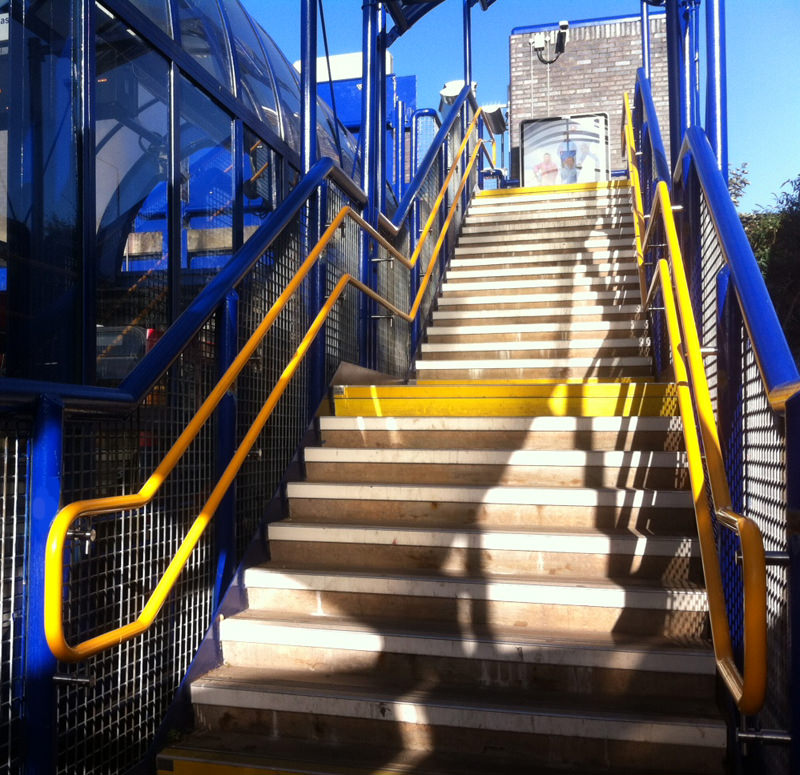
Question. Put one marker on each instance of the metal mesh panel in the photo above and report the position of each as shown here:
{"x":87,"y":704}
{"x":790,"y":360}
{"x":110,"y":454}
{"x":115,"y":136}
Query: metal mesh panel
{"x":712,"y":263}
{"x":341,"y":257}
{"x":110,"y":706}
{"x":14,"y":459}
{"x":755,"y":451}
{"x":272,"y":452}
{"x":392,"y":332}
{"x":426,"y":129}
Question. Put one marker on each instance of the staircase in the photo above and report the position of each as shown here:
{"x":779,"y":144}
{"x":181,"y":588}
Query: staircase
{"x":492,"y":570}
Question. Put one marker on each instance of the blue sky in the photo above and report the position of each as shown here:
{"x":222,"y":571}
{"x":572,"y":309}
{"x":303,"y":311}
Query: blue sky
{"x":763,"y":74}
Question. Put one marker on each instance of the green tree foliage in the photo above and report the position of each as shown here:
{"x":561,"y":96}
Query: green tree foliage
{"x":775,"y":238}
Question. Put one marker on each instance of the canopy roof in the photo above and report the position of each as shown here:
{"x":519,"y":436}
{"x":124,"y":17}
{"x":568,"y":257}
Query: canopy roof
{"x":405,"y":13}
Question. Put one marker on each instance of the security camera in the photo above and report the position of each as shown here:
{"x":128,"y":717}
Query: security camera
{"x":561,"y":37}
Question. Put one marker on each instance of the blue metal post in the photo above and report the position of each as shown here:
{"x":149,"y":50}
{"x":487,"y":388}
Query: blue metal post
{"x":369,"y":130}
{"x":308,"y":83}
{"x":40,"y":664}
{"x":692,"y":59}
{"x":468,"y":42}
{"x":716,"y":83}
{"x":645,"y":39}
{"x":675,"y":76}
{"x":225,"y":519}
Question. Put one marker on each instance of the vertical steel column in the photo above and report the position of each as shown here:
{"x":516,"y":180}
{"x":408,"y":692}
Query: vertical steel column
{"x":174,"y":226}
{"x":691,"y":59}
{"x":716,"y":83}
{"x":227,"y":325}
{"x":468,"y":42}
{"x":381,"y":175}
{"x":86,"y":156}
{"x":40,"y":664}
{"x":369,"y":128}
{"x":646,"y":39}
{"x":308,"y":83}
{"x":675,"y":75}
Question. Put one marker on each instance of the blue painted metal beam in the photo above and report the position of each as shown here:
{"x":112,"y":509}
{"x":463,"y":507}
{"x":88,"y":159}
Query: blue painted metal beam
{"x":775,"y":362}
{"x":716,"y":83}
{"x":39,"y":719}
{"x":308,"y":84}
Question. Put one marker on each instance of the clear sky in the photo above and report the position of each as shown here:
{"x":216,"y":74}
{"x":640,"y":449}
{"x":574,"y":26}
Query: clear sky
{"x":763,"y":71}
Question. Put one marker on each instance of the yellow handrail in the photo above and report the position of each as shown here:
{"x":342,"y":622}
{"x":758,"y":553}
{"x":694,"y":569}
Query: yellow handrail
{"x":747,"y":687}
{"x":54,"y":590}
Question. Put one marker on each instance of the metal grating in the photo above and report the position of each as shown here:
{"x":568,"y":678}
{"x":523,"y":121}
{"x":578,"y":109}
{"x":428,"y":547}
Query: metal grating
{"x":14,"y":460}
{"x":109,"y":707}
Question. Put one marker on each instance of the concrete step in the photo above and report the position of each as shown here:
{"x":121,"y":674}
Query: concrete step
{"x":506,"y":286}
{"x":348,"y":711}
{"x":527,"y":506}
{"x":561,"y":468}
{"x":519,"y":433}
{"x":576,"y":217}
{"x":547,"y":225}
{"x":592,"y":664}
{"x":554,"y":248}
{"x":599,"y":330}
{"x":542,"y":348}
{"x":546,"y":398}
{"x":580,"y":604}
{"x":214,"y":753}
{"x":472,"y":270}
{"x":546,"y":236}
{"x":523,"y":314}
{"x":461,"y":551}
{"x":533,"y":368}
{"x":623,"y":297}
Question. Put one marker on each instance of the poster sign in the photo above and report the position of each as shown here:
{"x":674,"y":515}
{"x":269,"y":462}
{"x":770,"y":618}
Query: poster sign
{"x":565,"y":149}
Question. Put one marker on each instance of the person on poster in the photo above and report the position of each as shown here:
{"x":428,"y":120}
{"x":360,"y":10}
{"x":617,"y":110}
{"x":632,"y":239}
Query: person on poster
{"x":588,"y":165}
{"x":546,"y":171}
{"x":569,"y":168}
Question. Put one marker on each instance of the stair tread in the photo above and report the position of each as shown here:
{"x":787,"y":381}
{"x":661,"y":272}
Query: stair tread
{"x":563,"y":643}
{"x":376,"y":687}
{"x":306,"y":757}
{"x":479,"y":584}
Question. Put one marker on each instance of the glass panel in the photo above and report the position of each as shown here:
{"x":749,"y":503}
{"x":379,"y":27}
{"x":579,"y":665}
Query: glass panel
{"x":132,"y":168}
{"x":206,"y":190}
{"x":287,"y":81}
{"x":44,"y":281}
{"x":261,"y":177}
{"x":255,"y":79}
{"x":203,"y":37}
{"x":156,"y":11}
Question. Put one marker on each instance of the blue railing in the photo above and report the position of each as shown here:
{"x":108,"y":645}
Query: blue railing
{"x":756,"y":389}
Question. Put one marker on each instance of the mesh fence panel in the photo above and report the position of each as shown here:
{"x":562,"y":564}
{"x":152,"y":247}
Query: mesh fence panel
{"x":109,"y":706}
{"x":755,"y":458}
{"x":14,"y":461}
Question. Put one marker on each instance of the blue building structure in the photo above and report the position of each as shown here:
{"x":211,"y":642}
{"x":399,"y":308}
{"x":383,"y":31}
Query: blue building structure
{"x":167,"y":175}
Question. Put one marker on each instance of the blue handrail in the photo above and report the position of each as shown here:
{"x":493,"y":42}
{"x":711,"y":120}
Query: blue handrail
{"x":151,"y":368}
{"x":650,"y":119}
{"x":412,"y":192}
{"x":773,"y":356}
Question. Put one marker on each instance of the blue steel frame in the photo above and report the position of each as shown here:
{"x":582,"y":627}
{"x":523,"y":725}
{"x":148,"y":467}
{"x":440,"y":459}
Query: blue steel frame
{"x":700,"y":168}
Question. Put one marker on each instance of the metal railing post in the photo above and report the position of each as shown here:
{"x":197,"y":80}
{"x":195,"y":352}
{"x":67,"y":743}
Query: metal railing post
{"x":225,"y":520}
{"x":716,"y":83}
{"x":40,"y":664}
{"x":793,"y":542}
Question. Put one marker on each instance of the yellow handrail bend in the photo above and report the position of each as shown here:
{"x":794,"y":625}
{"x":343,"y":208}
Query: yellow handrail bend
{"x":54,"y":567}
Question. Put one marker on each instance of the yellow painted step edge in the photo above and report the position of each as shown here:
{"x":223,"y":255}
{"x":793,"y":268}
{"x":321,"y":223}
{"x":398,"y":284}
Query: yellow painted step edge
{"x":564,"y":187}
{"x":506,"y":389}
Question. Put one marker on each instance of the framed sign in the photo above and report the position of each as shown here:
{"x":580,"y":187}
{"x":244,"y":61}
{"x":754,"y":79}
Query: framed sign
{"x":565,"y":149}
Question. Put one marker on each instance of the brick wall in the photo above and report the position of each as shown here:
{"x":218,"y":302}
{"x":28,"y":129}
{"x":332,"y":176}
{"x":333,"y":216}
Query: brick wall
{"x":598,"y":65}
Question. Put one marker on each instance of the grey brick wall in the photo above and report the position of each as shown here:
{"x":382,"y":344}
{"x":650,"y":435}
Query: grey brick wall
{"x":597,"y":67}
